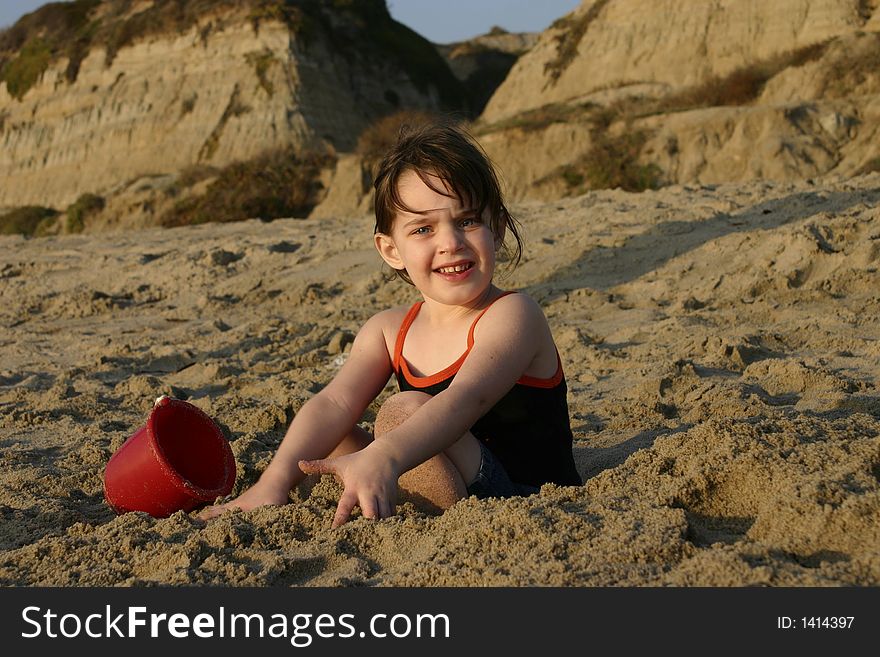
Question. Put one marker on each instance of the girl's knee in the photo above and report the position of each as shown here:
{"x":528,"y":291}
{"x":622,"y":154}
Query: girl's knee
{"x":397,"y":409}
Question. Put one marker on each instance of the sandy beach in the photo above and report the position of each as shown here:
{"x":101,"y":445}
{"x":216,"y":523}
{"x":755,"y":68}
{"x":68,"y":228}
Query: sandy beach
{"x":721,"y":346}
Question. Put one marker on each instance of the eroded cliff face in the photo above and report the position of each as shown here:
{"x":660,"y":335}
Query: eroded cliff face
{"x":224,"y":90}
{"x":691,"y":92}
{"x":672,"y":43}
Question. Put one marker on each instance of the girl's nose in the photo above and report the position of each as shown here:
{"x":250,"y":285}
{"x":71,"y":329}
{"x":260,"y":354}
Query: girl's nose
{"x":450,"y":241}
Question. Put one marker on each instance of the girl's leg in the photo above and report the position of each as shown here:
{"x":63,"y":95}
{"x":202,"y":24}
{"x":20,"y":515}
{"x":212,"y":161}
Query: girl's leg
{"x":439,"y":482}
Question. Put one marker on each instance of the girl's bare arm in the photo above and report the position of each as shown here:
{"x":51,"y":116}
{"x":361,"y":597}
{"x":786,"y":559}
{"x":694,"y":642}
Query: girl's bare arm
{"x":323,"y":421}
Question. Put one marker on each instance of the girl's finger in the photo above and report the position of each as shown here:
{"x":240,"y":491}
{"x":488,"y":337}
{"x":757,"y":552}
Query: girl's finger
{"x":370,"y":508}
{"x":343,"y":510}
{"x":318,"y":466}
{"x":386,"y":508}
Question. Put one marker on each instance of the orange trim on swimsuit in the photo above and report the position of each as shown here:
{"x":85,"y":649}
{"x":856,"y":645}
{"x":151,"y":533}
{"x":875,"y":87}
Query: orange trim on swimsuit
{"x":400,"y":364}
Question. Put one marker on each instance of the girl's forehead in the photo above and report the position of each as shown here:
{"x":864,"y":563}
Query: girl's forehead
{"x":413,"y":180}
{"x":423,"y":192}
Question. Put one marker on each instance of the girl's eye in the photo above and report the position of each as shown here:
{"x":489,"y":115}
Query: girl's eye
{"x":421,"y":230}
{"x":469,"y":221}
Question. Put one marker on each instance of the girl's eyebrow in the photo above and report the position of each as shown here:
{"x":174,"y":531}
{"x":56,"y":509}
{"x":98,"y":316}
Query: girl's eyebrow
{"x":421,"y":213}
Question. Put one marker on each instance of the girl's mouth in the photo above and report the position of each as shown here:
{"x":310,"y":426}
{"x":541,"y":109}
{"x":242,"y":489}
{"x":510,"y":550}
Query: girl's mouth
{"x":457,"y":268}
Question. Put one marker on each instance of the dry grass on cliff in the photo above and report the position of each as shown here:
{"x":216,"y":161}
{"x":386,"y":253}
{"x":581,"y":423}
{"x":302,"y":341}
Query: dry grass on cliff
{"x":852,"y":68}
{"x":568,"y":40}
{"x":382,"y":134}
{"x":279,"y":183}
{"x":739,"y":87}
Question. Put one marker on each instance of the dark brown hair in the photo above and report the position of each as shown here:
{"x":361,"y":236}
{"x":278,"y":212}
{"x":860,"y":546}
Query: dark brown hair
{"x":447,"y":151}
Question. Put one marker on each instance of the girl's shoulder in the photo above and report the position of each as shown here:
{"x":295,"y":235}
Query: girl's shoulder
{"x":388,"y":322}
{"x":514,"y":312}
{"x":391,"y":317}
{"x":515,"y":304}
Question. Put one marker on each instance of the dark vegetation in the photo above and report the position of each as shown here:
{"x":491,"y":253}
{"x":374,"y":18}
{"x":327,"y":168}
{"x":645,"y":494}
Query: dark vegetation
{"x":27,"y":220}
{"x":356,"y":29}
{"x":613,"y":162}
{"x":613,"y":158}
{"x":38,"y":221}
{"x":381,"y":135}
{"x":85,"y":206}
{"x":739,"y":87}
{"x":59,"y":29}
{"x":279,"y":183}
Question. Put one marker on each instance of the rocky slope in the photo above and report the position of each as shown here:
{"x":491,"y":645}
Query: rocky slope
{"x":612,"y":95}
{"x":482,"y":63}
{"x":127,"y":89}
{"x":673,"y":44}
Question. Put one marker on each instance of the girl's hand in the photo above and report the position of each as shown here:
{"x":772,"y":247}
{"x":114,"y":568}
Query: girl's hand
{"x":260,"y":494}
{"x":369,"y":478}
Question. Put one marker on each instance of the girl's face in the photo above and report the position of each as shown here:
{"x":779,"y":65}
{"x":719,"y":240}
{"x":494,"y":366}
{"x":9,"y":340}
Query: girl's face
{"x":447,"y":250}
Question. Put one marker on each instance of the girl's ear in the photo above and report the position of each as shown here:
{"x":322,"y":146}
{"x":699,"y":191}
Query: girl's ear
{"x":388,"y":250}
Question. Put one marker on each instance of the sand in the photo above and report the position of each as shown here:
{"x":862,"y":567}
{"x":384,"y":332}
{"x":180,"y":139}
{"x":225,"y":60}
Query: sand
{"x":721,"y":346}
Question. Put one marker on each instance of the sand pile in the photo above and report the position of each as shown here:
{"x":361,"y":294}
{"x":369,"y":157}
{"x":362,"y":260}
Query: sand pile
{"x":721,"y":345}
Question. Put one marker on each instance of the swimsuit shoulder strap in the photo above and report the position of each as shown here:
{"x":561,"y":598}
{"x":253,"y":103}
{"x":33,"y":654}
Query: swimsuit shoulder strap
{"x":401,"y":334}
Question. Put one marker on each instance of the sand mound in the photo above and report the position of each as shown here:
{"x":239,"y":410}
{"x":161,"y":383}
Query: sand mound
{"x":721,"y":346}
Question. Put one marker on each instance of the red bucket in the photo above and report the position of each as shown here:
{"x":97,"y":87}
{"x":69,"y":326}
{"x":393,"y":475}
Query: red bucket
{"x":178,"y":461}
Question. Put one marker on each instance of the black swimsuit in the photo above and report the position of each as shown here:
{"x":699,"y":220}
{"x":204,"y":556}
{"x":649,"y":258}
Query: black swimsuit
{"x":527,"y":430}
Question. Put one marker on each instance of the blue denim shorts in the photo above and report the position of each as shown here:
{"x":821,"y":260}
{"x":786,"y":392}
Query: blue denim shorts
{"x":493,"y":481}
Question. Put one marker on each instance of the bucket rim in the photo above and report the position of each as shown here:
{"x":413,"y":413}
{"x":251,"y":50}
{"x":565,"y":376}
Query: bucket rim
{"x":180,"y":482}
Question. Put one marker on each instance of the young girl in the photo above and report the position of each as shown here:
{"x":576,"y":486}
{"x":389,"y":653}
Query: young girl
{"x":482,"y":405}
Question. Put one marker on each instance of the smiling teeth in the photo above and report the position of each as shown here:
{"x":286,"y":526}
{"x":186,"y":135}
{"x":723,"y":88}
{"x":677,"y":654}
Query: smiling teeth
{"x":453,"y":270}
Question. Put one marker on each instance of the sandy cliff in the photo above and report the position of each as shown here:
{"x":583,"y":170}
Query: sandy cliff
{"x":674,"y":43}
{"x":224,"y":88}
{"x":690,"y":92}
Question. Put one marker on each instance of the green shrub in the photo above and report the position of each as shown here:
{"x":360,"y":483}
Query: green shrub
{"x":59,"y":29}
{"x":613,"y":162}
{"x":85,"y":206}
{"x":279,"y":183}
{"x":25,"y":220}
{"x":24,"y":71}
